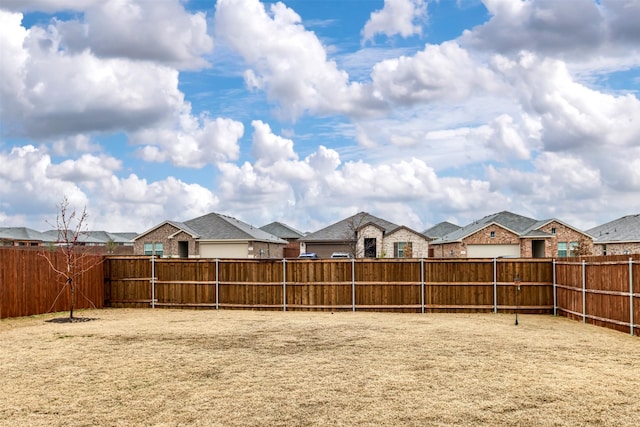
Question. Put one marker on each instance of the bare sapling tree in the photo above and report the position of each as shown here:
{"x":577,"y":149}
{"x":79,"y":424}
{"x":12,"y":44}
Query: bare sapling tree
{"x":77,"y":259}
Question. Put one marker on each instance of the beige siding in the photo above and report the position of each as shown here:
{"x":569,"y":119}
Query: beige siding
{"x":492,"y":251}
{"x":224,"y":250}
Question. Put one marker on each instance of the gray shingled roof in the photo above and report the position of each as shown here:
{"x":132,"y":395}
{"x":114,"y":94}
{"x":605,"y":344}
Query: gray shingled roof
{"x":282,"y":230}
{"x":342,"y":230}
{"x":51,"y":236}
{"x":20,"y":233}
{"x":215,"y":226}
{"x":441,"y":229}
{"x":516,"y":223}
{"x":97,"y":237}
{"x":625,"y":229}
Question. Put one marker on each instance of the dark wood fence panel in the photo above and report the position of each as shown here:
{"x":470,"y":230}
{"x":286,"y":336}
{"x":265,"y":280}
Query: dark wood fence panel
{"x":127,"y":281}
{"x":28,"y":285}
{"x":411,"y":285}
{"x":319,"y":285}
{"x":388,"y":284}
{"x":600,"y":292}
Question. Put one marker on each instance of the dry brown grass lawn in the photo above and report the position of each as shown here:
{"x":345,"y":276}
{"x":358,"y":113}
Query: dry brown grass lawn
{"x":242,"y":368}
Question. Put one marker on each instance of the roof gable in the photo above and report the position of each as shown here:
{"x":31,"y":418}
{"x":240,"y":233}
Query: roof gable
{"x":177,"y":225}
{"x":214,"y":226}
{"x":344,"y":230}
{"x":405,"y":228}
{"x":518,"y":224}
{"x":542,"y":223}
{"x":282,"y":230}
{"x":514,"y":223}
{"x":20,"y":233}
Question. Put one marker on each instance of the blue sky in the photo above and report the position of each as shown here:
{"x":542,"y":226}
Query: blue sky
{"x":309,"y":111}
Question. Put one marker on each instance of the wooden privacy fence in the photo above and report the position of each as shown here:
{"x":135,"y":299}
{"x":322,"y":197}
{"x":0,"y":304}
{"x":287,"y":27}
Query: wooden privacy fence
{"x":415,"y":285}
{"x":604,"y":293}
{"x":28,"y":284}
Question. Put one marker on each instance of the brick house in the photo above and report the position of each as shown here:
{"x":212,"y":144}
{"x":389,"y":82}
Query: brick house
{"x":366,"y":236}
{"x":511,"y":235}
{"x":617,"y":237}
{"x":209,"y":236}
{"x":288,"y":233}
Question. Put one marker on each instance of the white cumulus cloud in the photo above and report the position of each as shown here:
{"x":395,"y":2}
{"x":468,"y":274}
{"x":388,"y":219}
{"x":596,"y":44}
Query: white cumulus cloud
{"x":401,"y":17}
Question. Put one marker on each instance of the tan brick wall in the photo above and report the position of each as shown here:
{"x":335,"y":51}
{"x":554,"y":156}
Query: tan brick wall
{"x":419,"y":245}
{"x":504,"y":237}
{"x":266,"y":250}
{"x":617,"y":248}
{"x":170,"y":246}
{"x":483,"y":237}
{"x":562,"y":234}
{"x":182,"y":236}
{"x":159,"y":235}
{"x":449,"y":250}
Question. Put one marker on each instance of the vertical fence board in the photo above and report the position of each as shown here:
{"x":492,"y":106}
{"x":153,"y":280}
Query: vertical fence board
{"x":29,"y":286}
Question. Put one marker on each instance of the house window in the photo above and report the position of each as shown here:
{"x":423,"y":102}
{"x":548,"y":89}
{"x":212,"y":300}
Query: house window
{"x":402,"y":250}
{"x":553,"y":230}
{"x":370,"y":248}
{"x":158,"y":249}
{"x":562,"y":249}
{"x":604,"y":249}
{"x":153,"y":249}
{"x":492,"y":234}
{"x":573,"y":248}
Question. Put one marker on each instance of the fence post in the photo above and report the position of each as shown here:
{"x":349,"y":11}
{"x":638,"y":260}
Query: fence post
{"x":353,"y":284}
{"x":555,"y":290}
{"x":284,"y":284}
{"x":217,"y":285}
{"x":422,"y":284}
{"x":153,"y":281}
{"x":495,"y":285}
{"x":631,"y":296}
{"x":584,"y":292}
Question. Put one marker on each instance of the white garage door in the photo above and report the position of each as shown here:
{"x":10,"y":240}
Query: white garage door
{"x":223,"y":250}
{"x":492,"y":251}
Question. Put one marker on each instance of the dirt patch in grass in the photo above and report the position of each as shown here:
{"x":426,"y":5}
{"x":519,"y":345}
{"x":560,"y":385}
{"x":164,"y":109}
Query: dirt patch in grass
{"x":240,"y":368}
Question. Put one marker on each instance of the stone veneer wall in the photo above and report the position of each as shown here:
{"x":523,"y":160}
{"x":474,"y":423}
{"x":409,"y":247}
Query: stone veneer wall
{"x":419,"y":246}
{"x":369,"y":232}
